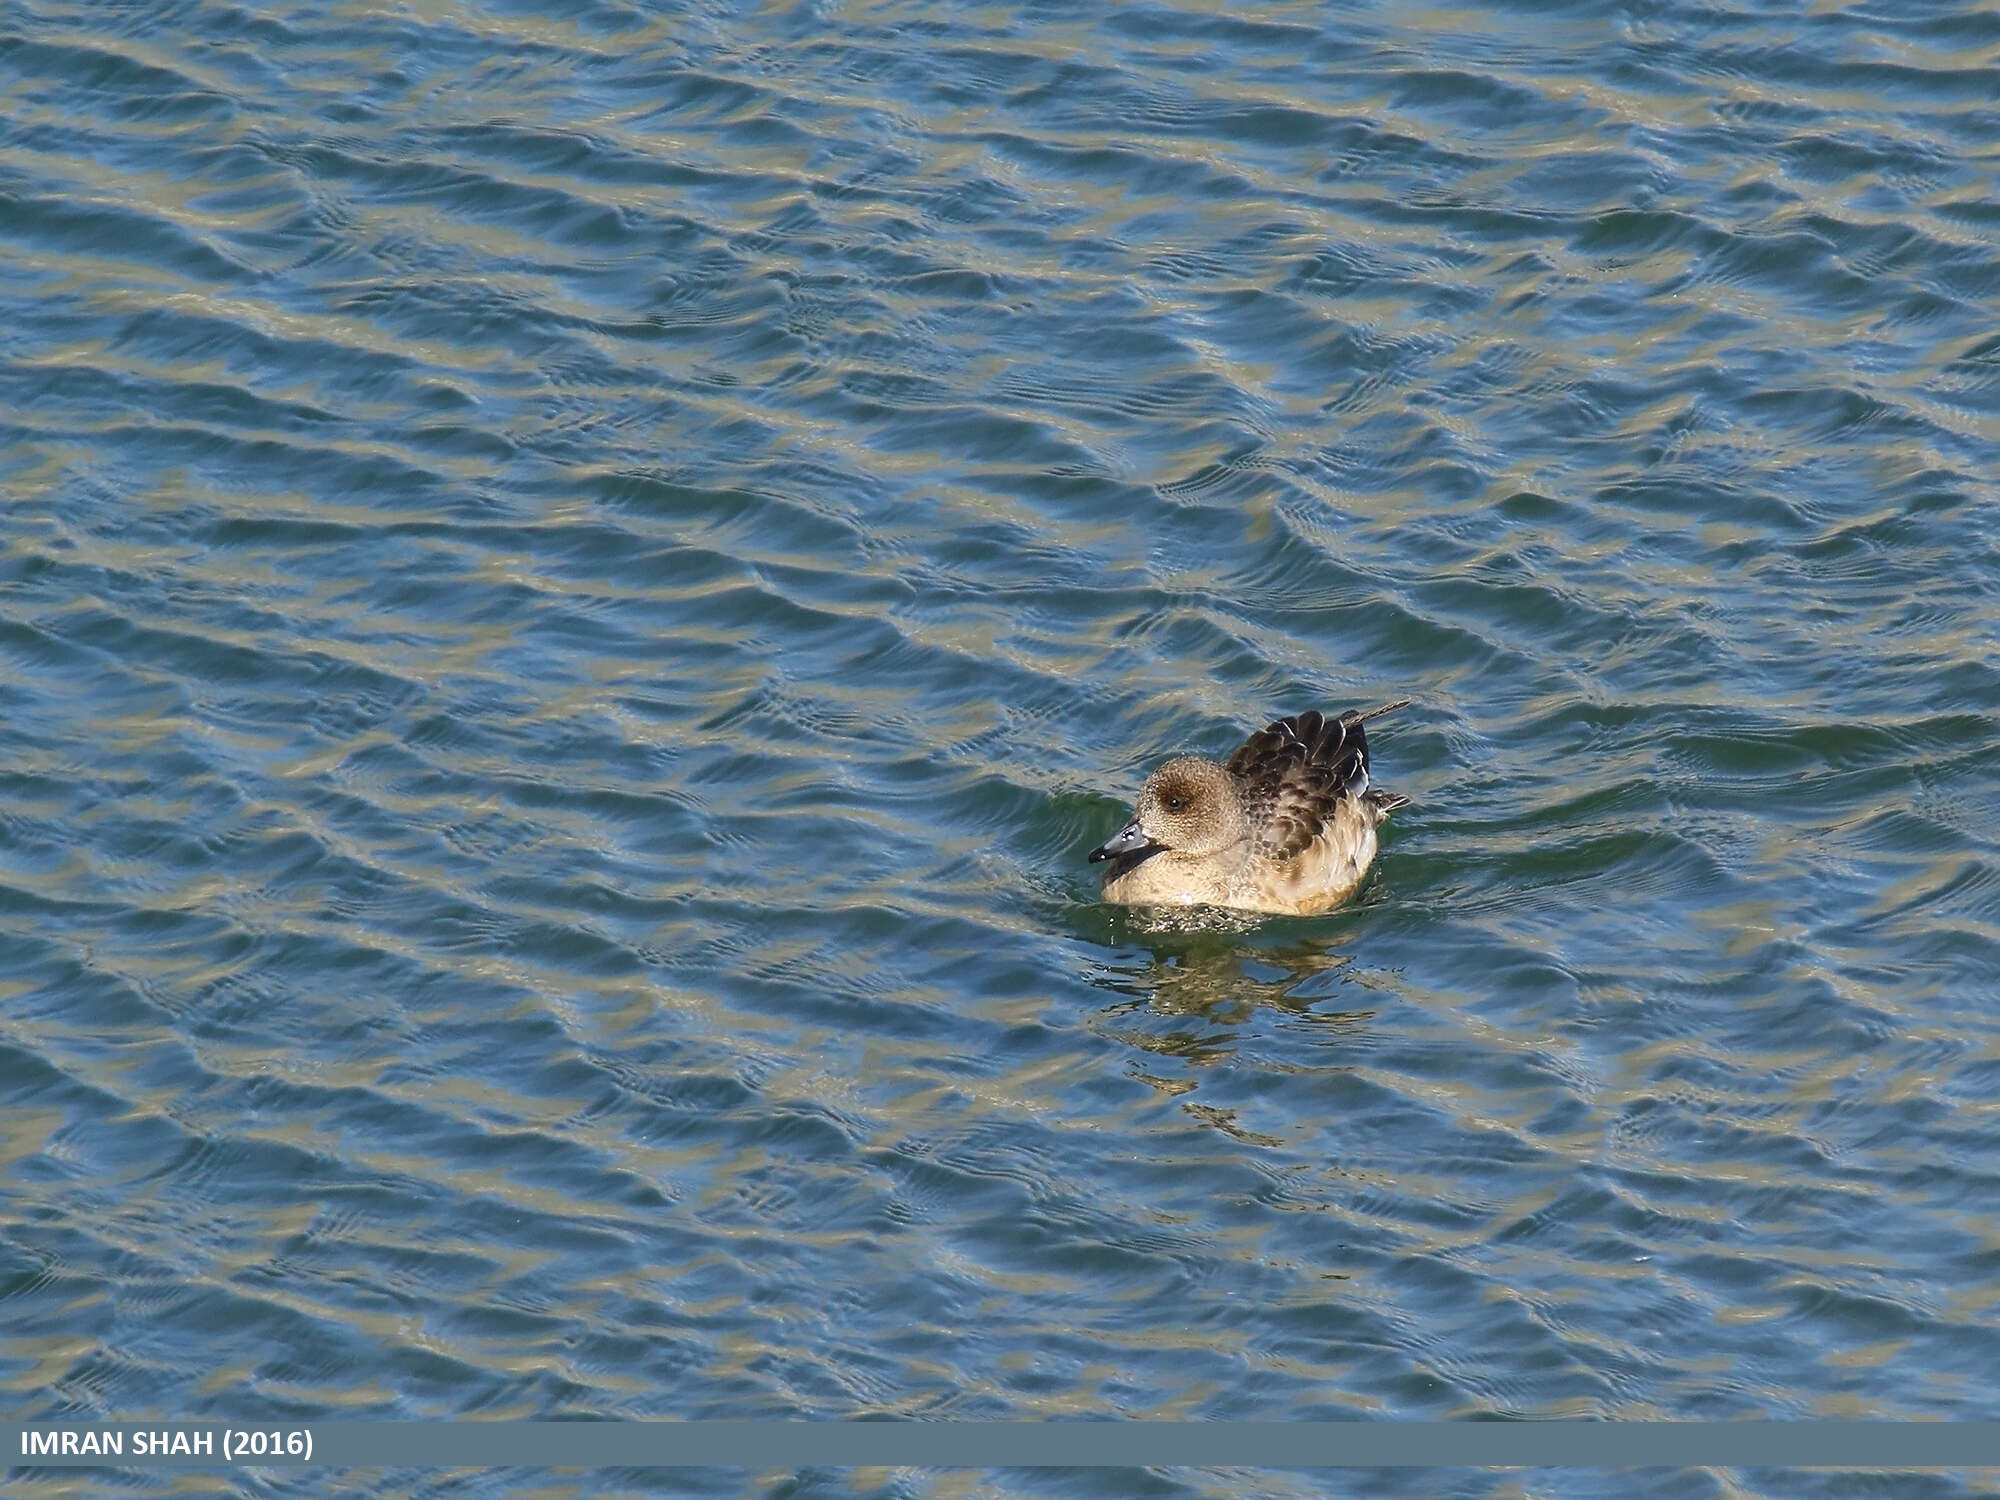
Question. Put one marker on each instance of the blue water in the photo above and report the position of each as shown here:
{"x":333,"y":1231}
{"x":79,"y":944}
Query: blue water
{"x":576,"y":583}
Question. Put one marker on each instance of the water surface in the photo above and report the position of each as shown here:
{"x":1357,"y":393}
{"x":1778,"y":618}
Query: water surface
{"x":573,"y":593}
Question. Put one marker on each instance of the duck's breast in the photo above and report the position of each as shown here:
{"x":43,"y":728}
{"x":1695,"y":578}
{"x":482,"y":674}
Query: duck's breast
{"x":1167,"y":879}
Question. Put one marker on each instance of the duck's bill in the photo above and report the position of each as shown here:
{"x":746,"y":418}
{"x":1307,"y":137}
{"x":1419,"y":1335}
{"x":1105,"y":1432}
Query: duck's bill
{"x":1131,"y":839}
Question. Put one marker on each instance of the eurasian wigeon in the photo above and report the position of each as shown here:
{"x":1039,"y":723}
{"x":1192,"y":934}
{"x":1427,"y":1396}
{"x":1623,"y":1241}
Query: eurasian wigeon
{"x":1286,"y":824}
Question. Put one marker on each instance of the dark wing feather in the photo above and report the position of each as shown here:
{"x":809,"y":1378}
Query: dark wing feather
{"x":1291,"y":775}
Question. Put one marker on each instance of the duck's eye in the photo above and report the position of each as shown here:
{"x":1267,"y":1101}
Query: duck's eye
{"x":1176,"y":804}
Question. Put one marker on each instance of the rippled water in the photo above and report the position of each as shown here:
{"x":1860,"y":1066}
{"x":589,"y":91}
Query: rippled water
{"x":573,"y":593}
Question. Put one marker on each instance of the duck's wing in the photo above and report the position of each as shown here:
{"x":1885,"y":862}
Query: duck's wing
{"x":1292,"y":775}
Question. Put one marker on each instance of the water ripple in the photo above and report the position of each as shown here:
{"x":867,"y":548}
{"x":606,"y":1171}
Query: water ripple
{"x":574,"y":590}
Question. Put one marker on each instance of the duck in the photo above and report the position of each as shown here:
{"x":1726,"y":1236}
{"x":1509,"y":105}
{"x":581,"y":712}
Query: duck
{"x":1288,"y":824}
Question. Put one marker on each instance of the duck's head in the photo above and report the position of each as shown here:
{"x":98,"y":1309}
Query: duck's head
{"x":1188,"y":805}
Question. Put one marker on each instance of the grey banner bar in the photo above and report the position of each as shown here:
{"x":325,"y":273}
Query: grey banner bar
{"x":992,"y":1445}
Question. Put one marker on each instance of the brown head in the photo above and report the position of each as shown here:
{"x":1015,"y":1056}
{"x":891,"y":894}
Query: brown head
{"x":1188,"y":805}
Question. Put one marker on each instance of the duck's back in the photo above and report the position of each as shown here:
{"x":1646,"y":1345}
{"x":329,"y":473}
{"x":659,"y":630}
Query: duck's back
{"x":1290,"y":777}
{"x":1303,"y":784}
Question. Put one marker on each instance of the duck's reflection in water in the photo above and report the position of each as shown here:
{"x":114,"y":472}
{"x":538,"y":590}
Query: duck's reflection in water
{"x":1213,"y":980}
{"x":1188,"y":1008}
